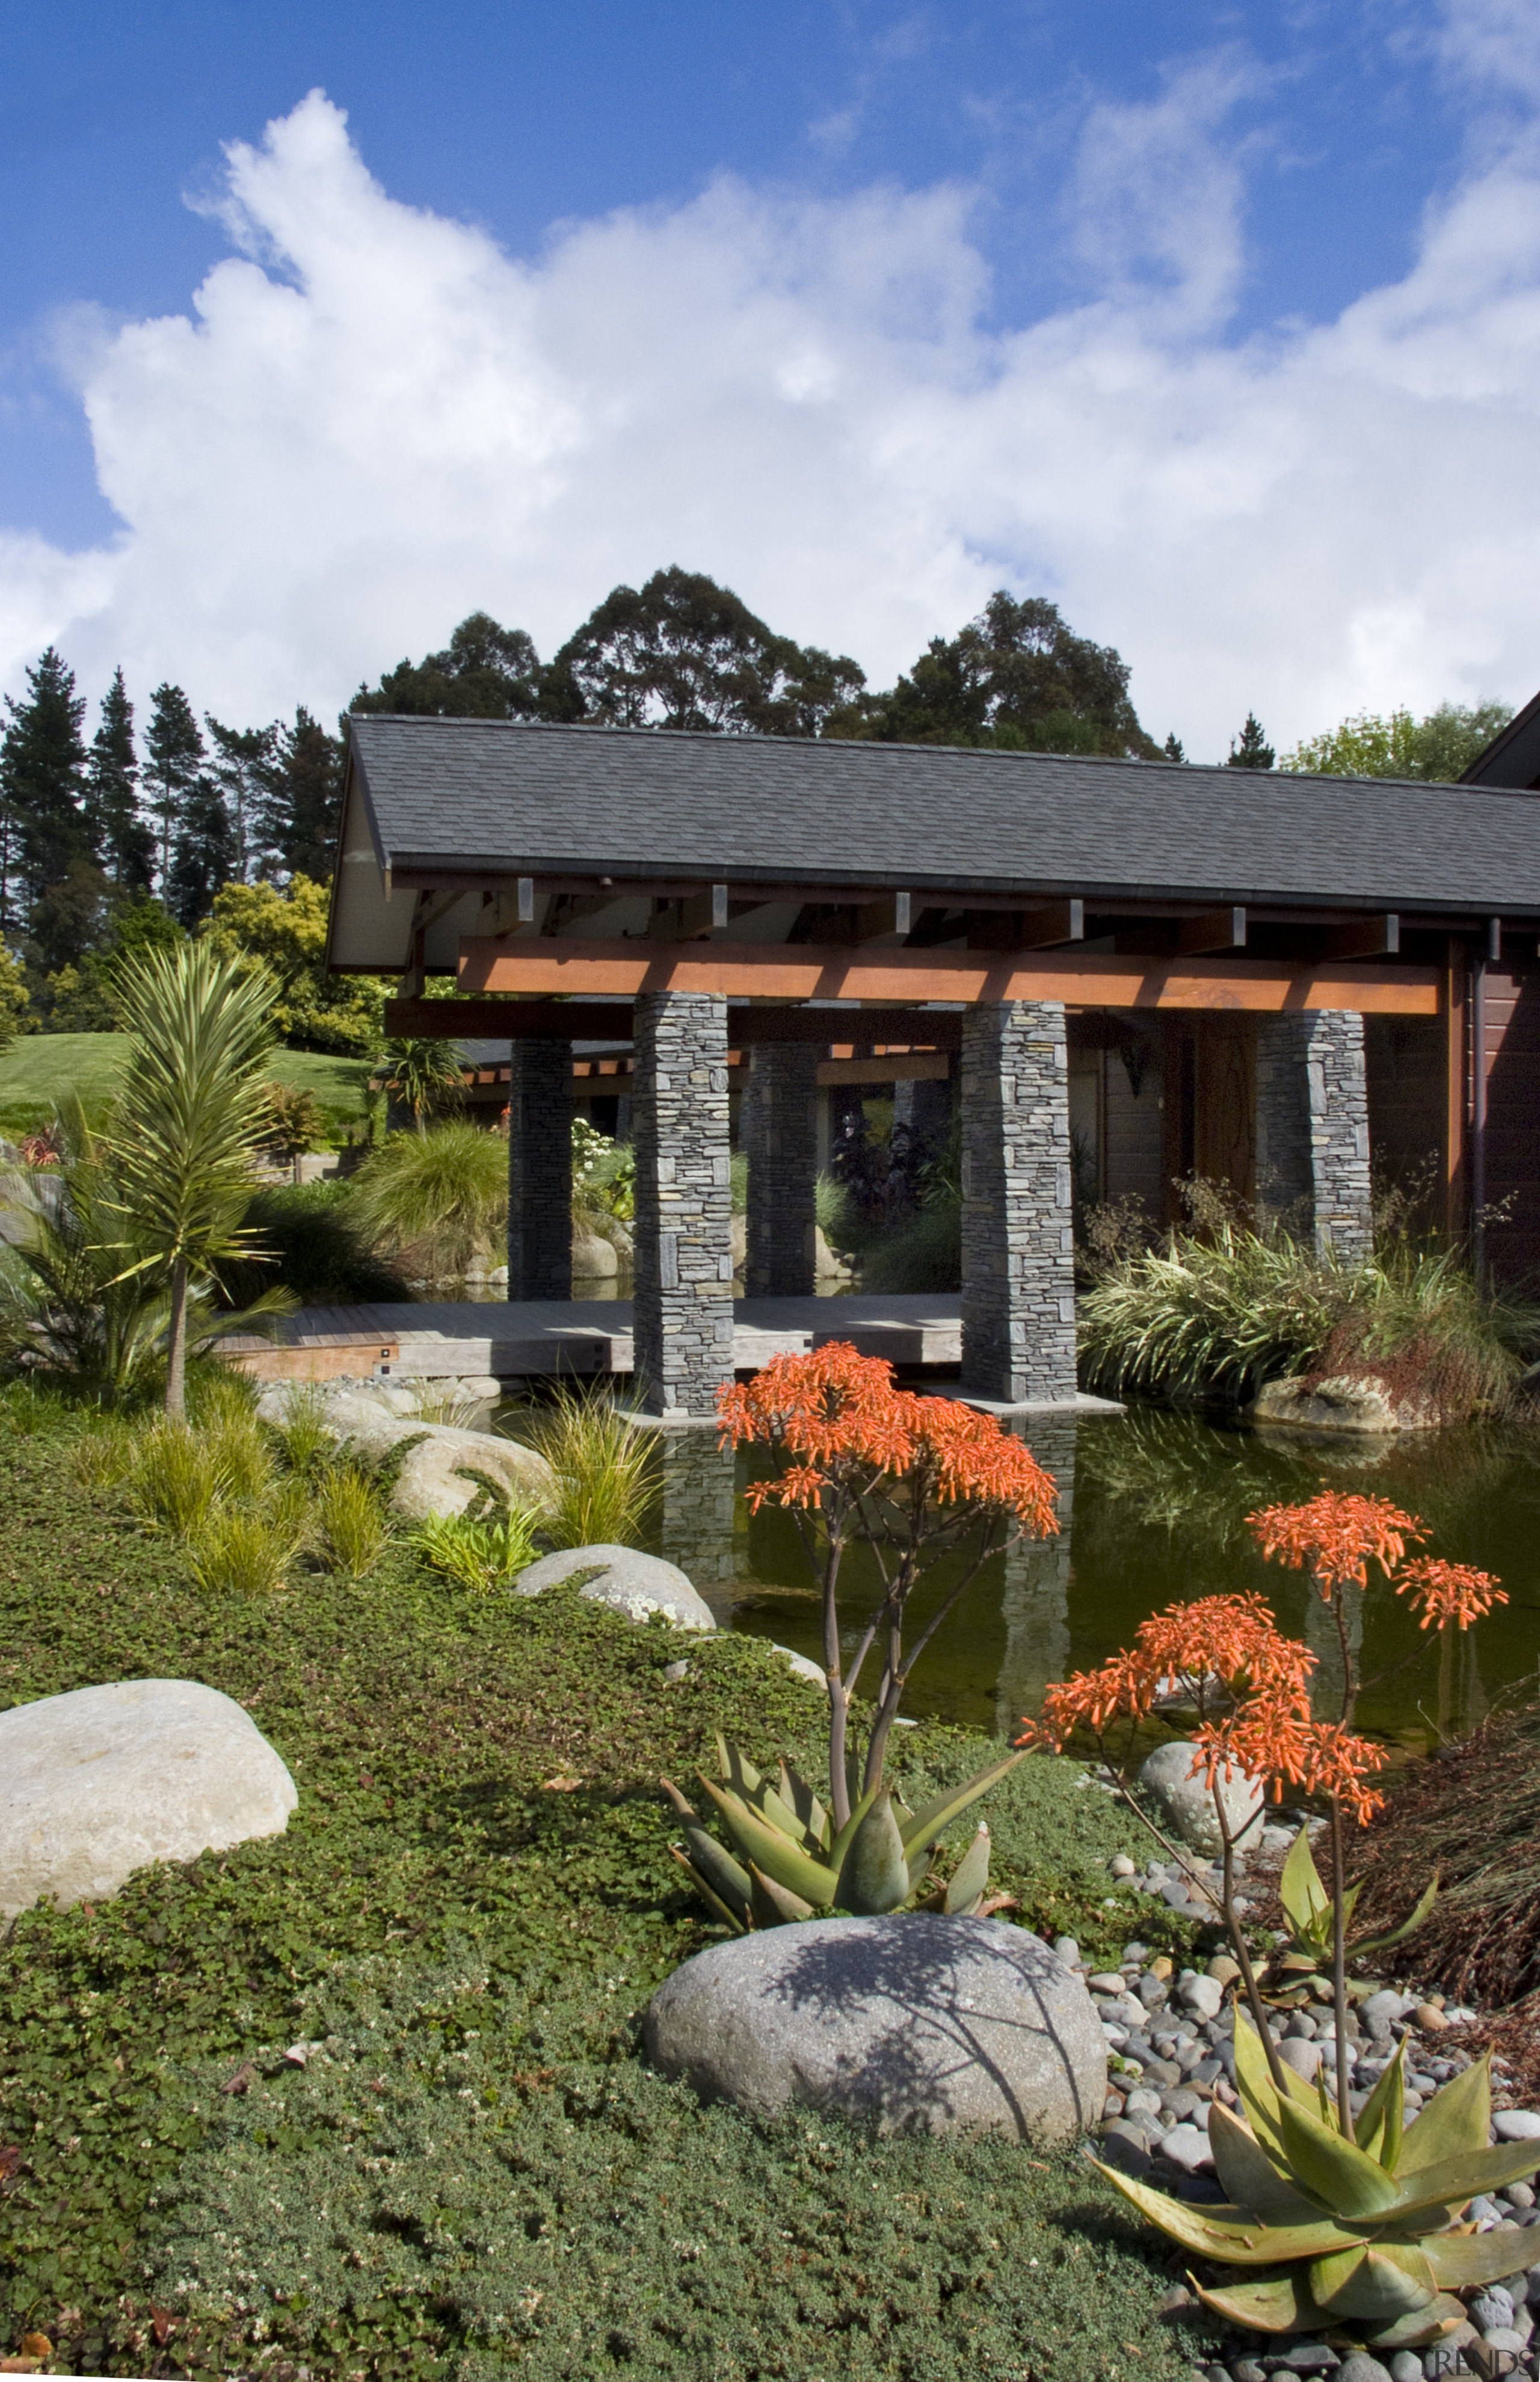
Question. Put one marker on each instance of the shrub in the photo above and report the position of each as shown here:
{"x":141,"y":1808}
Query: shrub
{"x":304,"y":1436}
{"x":175,"y":1477}
{"x":607,"y":1481}
{"x":1210,"y":1316}
{"x":317,"y":1248}
{"x":351,"y":1530}
{"x":243,"y":1551}
{"x":438,"y":1198}
{"x":477,"y":1555}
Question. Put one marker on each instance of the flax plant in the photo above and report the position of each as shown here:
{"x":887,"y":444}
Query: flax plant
{"x":606,"y":1470}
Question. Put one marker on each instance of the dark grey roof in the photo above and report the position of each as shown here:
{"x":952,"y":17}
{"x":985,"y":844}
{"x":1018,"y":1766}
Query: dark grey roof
{"x":506,"y":797}
{"x":1513,"y":759}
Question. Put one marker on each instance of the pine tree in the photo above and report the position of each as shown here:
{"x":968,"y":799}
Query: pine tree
{"x":1174,"y":749}
{"x":243,"y":767}
{"x":303,"y":802}
{"x":41,"y":783}
{"x":175,"y":762}
{"x":121,"y":833}
{"x":205,"y":857}
{"x":1254,"y":752}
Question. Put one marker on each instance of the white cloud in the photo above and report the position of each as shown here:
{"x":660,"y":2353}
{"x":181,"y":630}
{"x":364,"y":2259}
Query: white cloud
{"x":375,"y":420}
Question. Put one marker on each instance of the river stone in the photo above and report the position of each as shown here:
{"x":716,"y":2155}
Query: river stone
{"x":1187,"y":1804}
{"x":447,"y":1470}
{"x":594,"y":1259}
{"x":1344,"y":1404}
{"x":98,"y":1783}
{"x":911,"y":2024}
{"x":633,"y":1583}
{"x":1517,"y":2125}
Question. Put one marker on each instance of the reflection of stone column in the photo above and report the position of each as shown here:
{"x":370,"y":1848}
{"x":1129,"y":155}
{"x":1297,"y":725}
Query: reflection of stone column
{"x":696,"y":1518}
{"x":1018,"y":1259}
{"x":779,"y":1128}
{"x":1035,"y":1604}
{"x":683,"y":1311}
{"x":540,"y":1171}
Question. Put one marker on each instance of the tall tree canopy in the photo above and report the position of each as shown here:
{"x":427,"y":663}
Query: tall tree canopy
{"x":302,"y":803}
{"x":484,"y":673}
{"x":1440,"y":746}
{"x":121,"y":834}
{"x":682,"y":652}
{"x":174,"y":744}
{"x":1017,"y":677}
{"x":43,"y":827}
{"x":243,"y":759}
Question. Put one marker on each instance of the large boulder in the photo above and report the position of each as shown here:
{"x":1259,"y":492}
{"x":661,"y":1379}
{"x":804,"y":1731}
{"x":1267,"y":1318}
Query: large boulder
{"x":909,"y":2024}
{"x":633,"y":1583}
{"x":593,"y":1258}
{"x":1348,"y":1404}
{"x":443,"y":1472}
{"x":1187,"y":1804}
{"x":96,"y":1783}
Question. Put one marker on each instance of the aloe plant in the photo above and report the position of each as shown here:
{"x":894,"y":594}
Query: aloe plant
{"x":791,"y":1860}
{"x":1334,"y":2227}
{"x":1307,"y":1959}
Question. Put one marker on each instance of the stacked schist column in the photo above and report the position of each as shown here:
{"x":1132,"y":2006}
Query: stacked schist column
{"x":540,"y":1171}
{"x":1018,"y":1253}
{"x":779,"y":1130}
{"x":683,"y":1308}
{"x":1312,"y":1127}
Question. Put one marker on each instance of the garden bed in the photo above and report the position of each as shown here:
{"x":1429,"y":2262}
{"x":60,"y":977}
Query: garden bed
{"x":366,"y":2098}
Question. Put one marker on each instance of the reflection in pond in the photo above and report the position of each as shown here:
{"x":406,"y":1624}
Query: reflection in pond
{"x":1153,"y":1506}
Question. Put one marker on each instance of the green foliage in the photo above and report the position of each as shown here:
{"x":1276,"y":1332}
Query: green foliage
{"x":241,"y":1551}
{"x":436,"y":1199}
{"x":282,"y":933}
{"x":1016,"y":678}
{"x":13,"y":997}
{"x":43,"y":829}
{"x":922,"y":1253}
{"x":484,"y":673}
{"x":189,"y":1122}
{"x":834,"y":1212}
{"x":303,"y":1434}
{"x":350,"y":1527}
{"x":604,"y":1181}
{"x":1440,"y":746}
{"x":1210,"y":1315}
{"x":1252,"y":752}
{"x":793,"y":1863}
{"x":1332,"y":2225}
{"x":425,"y":1074}
{"x":314,"y":1248}
{"x":478,"y":1553}
{"x":295,"y":1124}
{"x":1305,"y":1957}
{"x":175,"y":1477}
{"x":606,"y":1469}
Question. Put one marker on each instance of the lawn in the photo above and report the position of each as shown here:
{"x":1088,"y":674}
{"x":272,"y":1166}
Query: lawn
{"x":474,"y":2172}
{"x":38,"y":1067}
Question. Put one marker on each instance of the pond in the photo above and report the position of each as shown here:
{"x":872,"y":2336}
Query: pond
{"x":1152,"y":1507}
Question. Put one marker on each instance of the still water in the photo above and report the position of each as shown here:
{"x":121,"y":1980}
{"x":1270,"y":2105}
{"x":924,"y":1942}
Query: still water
{"x":1153,"y":1506}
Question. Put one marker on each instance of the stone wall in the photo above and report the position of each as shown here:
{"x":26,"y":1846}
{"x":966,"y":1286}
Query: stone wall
{"x":779,"y":1130}
{"x":540,"y":1171}
{"x":1018,"y":1254}
{"x":683,"y":1312}
{"x":1312,"y":1126}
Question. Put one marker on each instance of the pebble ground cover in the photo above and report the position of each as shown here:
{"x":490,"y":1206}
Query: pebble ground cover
{"x":366,"y":2099}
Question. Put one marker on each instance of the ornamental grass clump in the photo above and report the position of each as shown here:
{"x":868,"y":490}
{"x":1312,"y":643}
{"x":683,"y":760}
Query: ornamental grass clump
{"x":914,"y":1480}
{"x":606,"y":1470}
{"x":1313,"y":2185}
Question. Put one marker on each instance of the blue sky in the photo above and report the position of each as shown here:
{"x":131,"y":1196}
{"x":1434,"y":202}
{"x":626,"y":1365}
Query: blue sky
{"x":1175,"y":312}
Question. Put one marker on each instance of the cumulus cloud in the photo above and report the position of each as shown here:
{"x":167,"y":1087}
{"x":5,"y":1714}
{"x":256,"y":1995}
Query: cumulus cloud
{"x":373,"y":418}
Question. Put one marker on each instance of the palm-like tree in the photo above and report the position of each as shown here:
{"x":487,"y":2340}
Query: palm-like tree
{"x":425,"y":1074}
{"x":191,"y":1114}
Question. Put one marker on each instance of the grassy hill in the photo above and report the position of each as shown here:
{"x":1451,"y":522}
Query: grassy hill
{"x":36,"y":1069}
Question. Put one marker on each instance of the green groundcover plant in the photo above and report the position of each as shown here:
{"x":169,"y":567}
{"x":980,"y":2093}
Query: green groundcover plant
{"x":366,"y":2098}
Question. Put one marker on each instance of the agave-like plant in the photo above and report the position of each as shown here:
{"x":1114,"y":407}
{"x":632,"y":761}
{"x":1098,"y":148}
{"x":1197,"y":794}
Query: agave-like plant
{"x":1305,"y":1962}
{"x":797,"y":1865}
{"x":1361,"y":2228}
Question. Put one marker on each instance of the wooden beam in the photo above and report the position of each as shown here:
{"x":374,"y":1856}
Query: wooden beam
{"x":798,"y":971}
{"x":610,"y":1021}
{"x":703,"y":912}
{"x":1376,"y":938}
{"x":880,"y":921}
{"x":1061,"y":921}
{"x":1453,"y":977}
{"x":1218,"y":930}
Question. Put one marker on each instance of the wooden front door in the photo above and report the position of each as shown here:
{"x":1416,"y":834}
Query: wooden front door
{"x":1211,"y":1101}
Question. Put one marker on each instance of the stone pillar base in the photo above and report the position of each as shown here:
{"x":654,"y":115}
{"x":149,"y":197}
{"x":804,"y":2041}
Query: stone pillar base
{"x":683,"y":1306}
{"x":1018,"y":1249}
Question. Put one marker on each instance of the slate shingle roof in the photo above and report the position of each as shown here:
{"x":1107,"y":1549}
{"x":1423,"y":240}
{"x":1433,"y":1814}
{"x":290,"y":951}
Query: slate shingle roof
{"x":506,"y":797}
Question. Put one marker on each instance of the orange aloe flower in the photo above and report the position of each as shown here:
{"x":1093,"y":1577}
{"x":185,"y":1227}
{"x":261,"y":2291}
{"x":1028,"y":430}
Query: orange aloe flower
{"x":1231,"y":1639}
{"x":1337,"y":1537}
{"x":1447,"y":1591}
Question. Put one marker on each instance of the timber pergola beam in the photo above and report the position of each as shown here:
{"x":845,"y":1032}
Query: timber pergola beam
{"x":611,"y":1021}
{"x":619,"y":970}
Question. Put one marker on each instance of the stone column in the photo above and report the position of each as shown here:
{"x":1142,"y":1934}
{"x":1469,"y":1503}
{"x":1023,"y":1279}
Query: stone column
{"x":1017,"y":1255}
{"x":1312,"y":1127}
{"x":540,"y":1171}
{"x":926,"y":1109}
{"x":779,"y":1128}
{"x":683,"y":1312}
